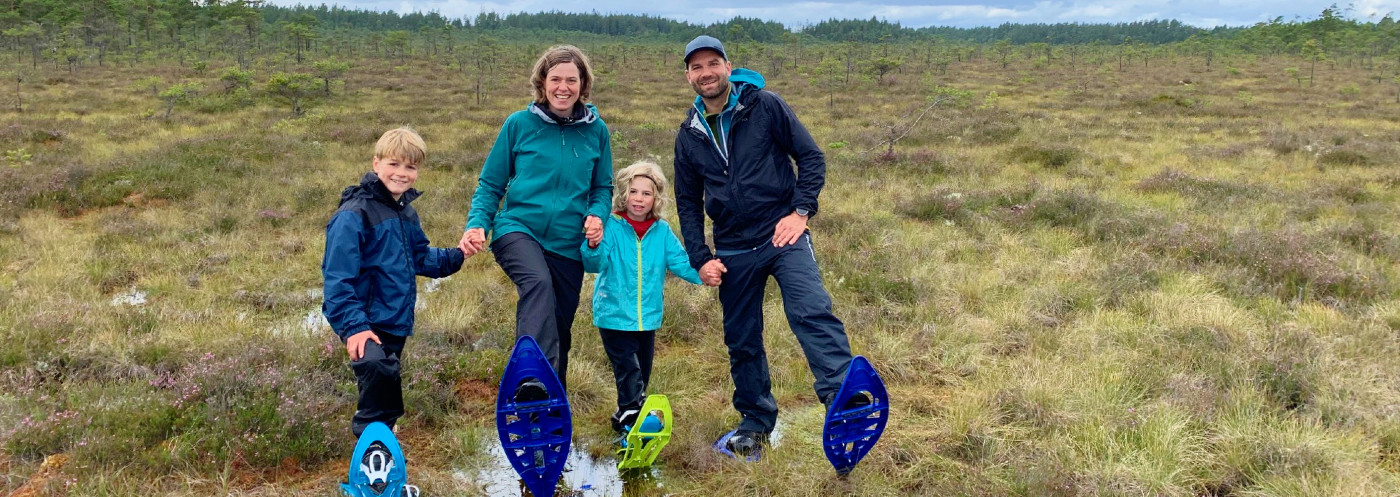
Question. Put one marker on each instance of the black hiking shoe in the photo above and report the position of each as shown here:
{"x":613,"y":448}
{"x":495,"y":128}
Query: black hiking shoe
{"x":622,"y":420}
{"x":530,"y":390}
{"x":745,"y":443}
{"x":860,"y":399}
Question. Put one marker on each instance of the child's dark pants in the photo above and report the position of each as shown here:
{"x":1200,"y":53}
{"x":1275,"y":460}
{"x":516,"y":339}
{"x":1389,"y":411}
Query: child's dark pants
{"x":630,"y":353}
{"x":380,"y":382}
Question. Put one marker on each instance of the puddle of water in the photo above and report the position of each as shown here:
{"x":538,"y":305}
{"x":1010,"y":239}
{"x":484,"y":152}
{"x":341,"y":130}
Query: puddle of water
{"x":314,"y":321}
{"x":134,"y":297}
{"x":434,"y":284}
{"x":584,"y":475}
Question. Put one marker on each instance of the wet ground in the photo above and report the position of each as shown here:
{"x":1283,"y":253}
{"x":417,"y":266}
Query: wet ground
{"x":584,"y":476}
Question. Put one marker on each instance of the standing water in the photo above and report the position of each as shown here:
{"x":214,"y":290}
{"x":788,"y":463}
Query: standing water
{"x":584,"y":476}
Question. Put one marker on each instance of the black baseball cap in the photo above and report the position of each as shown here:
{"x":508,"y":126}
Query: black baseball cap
{"x":704,"y":42}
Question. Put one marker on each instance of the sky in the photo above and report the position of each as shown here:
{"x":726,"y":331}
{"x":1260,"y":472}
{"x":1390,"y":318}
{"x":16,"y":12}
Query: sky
{"x":909,"y":13}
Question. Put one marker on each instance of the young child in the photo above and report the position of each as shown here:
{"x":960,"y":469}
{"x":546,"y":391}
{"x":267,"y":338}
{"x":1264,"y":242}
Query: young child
{"x":631,"y":261}
{"x":374,"y":247}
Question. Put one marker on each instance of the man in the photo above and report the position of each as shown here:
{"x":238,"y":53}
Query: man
{"x":734,"y":156}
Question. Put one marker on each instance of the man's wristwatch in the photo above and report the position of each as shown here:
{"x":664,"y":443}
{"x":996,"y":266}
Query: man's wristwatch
{"x":802,"y":212}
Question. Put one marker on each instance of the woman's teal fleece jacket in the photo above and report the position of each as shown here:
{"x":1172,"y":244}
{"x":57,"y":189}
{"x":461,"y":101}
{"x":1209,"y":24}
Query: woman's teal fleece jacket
{"x":542,"y":177}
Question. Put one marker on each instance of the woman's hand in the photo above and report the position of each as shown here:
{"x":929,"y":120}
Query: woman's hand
{"x":593,"y":230}
{"x":472,"y":241}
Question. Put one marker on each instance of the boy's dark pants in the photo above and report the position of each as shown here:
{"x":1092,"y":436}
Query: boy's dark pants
{"x":630,"y":353}
{"x":808,"y":308}
{"x":549,"y":286}
{"x":380,"y":382}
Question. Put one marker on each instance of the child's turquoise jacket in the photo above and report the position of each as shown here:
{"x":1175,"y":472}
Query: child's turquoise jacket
{"x":632,"y":273}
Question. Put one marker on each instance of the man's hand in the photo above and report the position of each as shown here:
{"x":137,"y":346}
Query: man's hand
{"x":789,"y":229}
{"x":473,"y":241}
{"x":593,"y":230}
{"x":711,"y":274}
{"x":355,"y":346}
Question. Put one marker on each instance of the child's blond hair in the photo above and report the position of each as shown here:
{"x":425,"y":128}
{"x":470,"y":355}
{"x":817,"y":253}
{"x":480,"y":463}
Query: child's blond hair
{"x":644,"y":169}
{"x":403,"y":144}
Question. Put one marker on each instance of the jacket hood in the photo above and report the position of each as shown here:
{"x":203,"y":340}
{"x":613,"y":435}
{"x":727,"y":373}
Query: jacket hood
{"x":741,"y":81}
{"x":371,"y":188}
{"x":744,"y":79}
{"x":583,"y":114}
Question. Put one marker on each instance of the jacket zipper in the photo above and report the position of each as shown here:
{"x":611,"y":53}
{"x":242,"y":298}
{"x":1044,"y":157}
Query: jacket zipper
{"x":557,"y":174}
{"x":639,"y":281}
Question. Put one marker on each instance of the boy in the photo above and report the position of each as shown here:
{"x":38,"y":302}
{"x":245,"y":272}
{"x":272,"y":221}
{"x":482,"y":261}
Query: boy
{"x":374,"y":247}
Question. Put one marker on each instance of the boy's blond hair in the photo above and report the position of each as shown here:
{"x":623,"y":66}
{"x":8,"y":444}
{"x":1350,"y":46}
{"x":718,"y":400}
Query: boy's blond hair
{"x":558,"y":55}
{"x":643,"y":169}
{"x":403,"y":144}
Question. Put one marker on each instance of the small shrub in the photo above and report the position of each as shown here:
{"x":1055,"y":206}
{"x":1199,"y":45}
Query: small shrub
{"x":877,"y":288}
{"x":1368,"y":239}
{"x":940,"y":205}
{"x":1343,"y":157}
{"x":235,"y":79}
{"x":1175,"y":101}
{"x":1350,"y":92}
{"x":1283,"y":141}
{"x":991,"y":131}
{"x":1170,"y":180}
{"x":1049,"y":157}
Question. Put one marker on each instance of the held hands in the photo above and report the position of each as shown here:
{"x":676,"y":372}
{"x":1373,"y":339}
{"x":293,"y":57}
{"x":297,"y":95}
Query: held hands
{"x":473,"y":241}
{"x":711,"y":274}
{"x":593,"y":230}
{"x":355,"y":346}
{"x":789,"y":229}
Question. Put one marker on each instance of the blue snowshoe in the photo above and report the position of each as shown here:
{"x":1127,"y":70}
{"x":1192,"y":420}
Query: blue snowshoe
{"x":378,"y":468}
{"x":855,"y":417}
{"x":533,"y":418}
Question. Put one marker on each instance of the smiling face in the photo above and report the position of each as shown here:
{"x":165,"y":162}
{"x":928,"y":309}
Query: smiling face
{"x":641,"y":196}
{"x":708,"y":74}
{"x":562,"y":86}
{"x":397,"y":174}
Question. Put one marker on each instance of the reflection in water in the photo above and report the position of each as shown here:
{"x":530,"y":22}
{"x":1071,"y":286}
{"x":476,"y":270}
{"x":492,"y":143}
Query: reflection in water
{"x":583,"y":475}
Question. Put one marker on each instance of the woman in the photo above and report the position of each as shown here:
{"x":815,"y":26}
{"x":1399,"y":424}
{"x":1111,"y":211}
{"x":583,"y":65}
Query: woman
{"x":552,"y":165}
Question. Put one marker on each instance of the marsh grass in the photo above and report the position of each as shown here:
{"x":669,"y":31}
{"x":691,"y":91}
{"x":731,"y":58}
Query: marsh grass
{"x":1094,"y":282}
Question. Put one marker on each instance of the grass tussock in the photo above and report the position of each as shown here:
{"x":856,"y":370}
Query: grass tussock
{"x":1050,"y":157}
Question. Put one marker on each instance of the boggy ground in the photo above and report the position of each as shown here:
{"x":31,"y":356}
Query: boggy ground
{"x":1167,"y":279}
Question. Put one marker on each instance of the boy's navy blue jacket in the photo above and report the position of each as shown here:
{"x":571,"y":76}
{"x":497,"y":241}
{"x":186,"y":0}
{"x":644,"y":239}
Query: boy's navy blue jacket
{"x":750,"y":184}
{"x":374,"y":247}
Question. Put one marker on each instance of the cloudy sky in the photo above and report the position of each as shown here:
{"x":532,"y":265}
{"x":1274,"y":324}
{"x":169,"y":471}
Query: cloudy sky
{"x":911,"y":13}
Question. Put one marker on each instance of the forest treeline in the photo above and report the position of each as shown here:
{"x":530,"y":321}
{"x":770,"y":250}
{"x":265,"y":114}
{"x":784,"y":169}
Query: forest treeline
{"x":77,"y":32}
